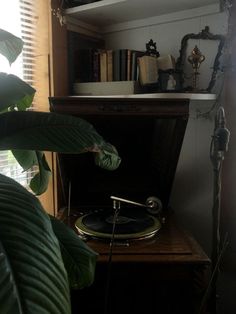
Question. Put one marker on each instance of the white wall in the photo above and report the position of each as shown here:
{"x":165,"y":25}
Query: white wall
{"x":192,"y":191}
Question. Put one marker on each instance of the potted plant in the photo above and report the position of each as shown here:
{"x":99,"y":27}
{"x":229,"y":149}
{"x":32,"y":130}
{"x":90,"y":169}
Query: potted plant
{"x":40,"y":257}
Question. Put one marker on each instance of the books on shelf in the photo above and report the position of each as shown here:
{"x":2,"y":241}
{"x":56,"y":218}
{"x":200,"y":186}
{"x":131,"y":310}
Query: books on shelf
{"x":122,"y":68}
{"x":107,"y":88}
{"x":102,"y":65}
{"x":148,"y":70}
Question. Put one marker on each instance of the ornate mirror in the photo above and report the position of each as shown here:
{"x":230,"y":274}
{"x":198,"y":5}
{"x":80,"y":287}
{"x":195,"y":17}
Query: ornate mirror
{"x":199,"y":60}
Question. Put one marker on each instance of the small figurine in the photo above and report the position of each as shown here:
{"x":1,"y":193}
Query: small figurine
{"x":151,"y":49}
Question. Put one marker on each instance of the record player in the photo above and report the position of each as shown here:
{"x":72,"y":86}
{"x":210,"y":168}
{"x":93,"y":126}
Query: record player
{"x":148,"y":131}
{"x":132,"y":224}
{"x":148,"y":137}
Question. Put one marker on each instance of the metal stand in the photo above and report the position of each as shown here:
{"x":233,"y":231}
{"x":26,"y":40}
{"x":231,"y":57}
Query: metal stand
{"x":219,"y":146}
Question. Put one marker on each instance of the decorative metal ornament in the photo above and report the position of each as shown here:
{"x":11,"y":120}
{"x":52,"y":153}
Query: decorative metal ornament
{"x":205,"y":35}
{"x":195,"y":59}
{"x":151,"y":49}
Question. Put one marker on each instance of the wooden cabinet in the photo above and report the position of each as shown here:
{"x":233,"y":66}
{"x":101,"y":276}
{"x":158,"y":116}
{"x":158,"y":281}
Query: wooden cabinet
{"x":86,"y":15}
{"x":166,"y":273}
{"x":169,"y":272}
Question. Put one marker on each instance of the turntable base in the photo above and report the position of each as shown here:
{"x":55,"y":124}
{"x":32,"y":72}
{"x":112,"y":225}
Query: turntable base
{"x":131,"y":224}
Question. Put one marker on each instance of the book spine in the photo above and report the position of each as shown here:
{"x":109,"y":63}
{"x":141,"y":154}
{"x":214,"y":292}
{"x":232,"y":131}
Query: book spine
{"x":103,"y":66}
{"x":128,"y":65}
{"x":116,"y":65}
{"x":123,"y":64}
{"x":109,"y":66}
{"x":134,"y":64}
{"x":96,"y":66}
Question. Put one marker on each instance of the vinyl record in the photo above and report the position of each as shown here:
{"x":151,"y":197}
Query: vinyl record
{"x":130,"y":224}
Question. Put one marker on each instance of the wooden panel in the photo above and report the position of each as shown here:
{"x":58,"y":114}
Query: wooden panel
{"x":42,"y":84}
{"x":59,"y":67}
{"x":120,"y":106}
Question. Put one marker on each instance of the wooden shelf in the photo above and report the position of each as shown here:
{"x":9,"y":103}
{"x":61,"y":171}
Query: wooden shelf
{"x":160,"y":96}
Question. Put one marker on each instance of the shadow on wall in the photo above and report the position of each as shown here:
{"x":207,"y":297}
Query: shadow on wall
{"x":192,"y":193}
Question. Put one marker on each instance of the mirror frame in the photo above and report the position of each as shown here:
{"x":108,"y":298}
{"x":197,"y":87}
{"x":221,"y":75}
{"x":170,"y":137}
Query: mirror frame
{"x":205,"y":35}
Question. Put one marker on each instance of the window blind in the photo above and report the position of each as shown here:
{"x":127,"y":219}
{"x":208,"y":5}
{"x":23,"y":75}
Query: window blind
{"x":22,"y":25}
{"x":28,"y":21}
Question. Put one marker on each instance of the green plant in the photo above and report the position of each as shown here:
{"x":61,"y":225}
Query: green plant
{"x":40,"y":257}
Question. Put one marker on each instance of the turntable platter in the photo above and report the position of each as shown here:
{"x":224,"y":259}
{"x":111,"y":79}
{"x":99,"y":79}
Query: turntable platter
{"x":130,"y":224}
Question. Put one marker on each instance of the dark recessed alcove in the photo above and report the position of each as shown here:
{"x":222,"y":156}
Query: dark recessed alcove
{"x":148,"y":143}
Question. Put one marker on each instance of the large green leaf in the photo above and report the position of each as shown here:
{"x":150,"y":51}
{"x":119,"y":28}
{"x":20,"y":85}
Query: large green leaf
{"x":15,"y":92}
{"x":10,"y":293}
{"x":43,"y":131}
{"x":39,"y":182}
{"x":28,"y":159}
{"x":79,"y":259}
{"x":10,"y":45}
{"x":32,"y":274}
